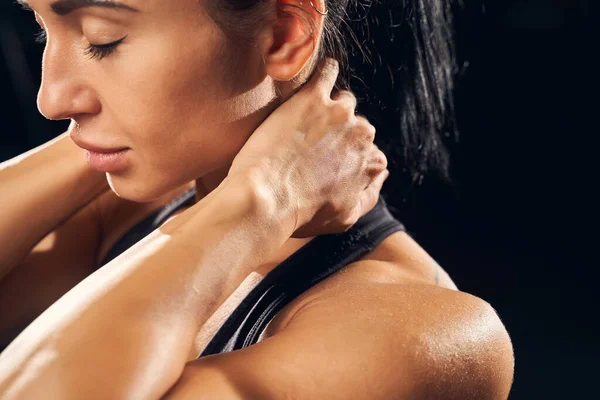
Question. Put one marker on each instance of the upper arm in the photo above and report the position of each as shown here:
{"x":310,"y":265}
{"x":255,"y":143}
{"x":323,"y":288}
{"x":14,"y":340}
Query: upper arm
{"x":62,"y":259}
{"x":368,"y":341}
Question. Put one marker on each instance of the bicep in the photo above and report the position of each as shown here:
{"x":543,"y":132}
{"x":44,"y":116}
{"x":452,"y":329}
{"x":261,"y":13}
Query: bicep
{"x":372,"y":342}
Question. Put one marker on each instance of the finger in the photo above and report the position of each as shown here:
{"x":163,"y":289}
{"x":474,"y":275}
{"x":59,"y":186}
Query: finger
{"x":362,"y":119}
{"x":346,"y":97}
{"x":370,"y":196}
{"x":376,"y":163}
{"x":379,"y":158}
{"x":366,"y":128}
{"x":324,"y":78}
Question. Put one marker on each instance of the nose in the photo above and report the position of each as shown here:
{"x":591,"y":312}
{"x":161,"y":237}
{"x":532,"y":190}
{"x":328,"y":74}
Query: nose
{"x":65,"y":91}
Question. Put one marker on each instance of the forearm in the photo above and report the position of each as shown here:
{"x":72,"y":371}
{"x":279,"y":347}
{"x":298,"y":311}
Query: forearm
{"x":40,"y":189}
{"x":132,"y":323}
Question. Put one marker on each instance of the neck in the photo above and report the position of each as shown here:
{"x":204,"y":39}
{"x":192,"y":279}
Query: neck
{"x":210,"y":182}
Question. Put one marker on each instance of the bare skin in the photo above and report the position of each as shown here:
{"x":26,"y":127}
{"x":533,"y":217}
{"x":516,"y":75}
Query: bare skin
{"x":396,"y":291}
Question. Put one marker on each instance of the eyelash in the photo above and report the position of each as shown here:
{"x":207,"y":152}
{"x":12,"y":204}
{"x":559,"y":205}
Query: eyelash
{"x":98,"y":51}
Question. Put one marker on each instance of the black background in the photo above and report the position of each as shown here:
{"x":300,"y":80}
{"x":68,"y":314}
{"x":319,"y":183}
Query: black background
{"x":500,"y":230}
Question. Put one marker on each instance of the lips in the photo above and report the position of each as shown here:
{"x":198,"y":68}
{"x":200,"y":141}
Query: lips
{"x":102,"y":149}
{"x":107,"y":162}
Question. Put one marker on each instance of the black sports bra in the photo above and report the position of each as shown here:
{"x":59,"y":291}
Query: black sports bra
{"x":317,"y":260}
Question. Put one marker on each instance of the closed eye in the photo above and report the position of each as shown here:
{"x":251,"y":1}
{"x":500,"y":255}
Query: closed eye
{"x":97,"y":51}
{"x":100,"y":51}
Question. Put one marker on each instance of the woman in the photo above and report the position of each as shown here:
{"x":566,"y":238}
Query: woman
{"x":156,"y":84}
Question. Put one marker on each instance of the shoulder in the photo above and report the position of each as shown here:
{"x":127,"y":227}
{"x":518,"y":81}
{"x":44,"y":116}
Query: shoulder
{"x":398,"y":260}
{"x":443,"y":343}
{"x":404,"y":331}
{"x":402,"y":309}
{"x":372,"y":341}
{"x":379,"y":329}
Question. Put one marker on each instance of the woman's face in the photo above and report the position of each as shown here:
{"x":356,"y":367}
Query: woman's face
{"x":175,"y":91}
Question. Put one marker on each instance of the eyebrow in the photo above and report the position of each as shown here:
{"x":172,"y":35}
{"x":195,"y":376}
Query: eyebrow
{"x":64,"y":7}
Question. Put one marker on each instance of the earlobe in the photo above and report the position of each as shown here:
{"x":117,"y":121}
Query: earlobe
{"x":293,"y":38}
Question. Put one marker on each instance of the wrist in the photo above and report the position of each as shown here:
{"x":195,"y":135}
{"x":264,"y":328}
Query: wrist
{"x":241,"y":218}
{"x":266,"y":201}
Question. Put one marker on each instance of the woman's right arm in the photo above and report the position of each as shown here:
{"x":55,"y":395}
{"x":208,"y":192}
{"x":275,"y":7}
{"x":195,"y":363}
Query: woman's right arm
{"x":39,"y":190}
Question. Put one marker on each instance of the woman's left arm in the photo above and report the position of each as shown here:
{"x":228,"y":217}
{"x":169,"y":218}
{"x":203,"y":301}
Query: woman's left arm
{"x":126,"y":331}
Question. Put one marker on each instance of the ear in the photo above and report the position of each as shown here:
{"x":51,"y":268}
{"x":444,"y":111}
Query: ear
{"x":293,"y":38}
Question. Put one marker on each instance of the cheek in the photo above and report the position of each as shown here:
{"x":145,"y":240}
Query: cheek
{"x":161,"y":94}
{"x":162,"y":83}
{"x":185,"y":109}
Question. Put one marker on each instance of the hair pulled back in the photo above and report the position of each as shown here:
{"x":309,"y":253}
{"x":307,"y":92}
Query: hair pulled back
{"x":397,"y":56}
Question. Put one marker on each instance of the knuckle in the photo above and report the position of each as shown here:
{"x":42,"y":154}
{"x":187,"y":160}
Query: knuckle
{"x":366,"y":128}
{"x":376,"y":166}
{"x":368,"y":133}
{"x":322,"y":98}
{"x":344,"y":95}
{"x":349,"y":99}
{"x":350,"y":104}
{"x":315,"y":95}
{"x":363,"y":140}
{"x":342,"y":111}
{"x":382,"y":159}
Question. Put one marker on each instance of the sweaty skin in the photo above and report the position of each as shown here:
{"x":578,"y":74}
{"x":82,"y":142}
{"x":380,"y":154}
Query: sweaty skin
{"x":172,"y":92}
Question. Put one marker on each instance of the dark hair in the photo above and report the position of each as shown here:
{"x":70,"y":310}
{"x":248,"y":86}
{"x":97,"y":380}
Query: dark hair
{"x":397,"y":56}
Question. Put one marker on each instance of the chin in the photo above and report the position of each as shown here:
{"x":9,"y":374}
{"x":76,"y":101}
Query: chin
{"x":138,"y":191}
